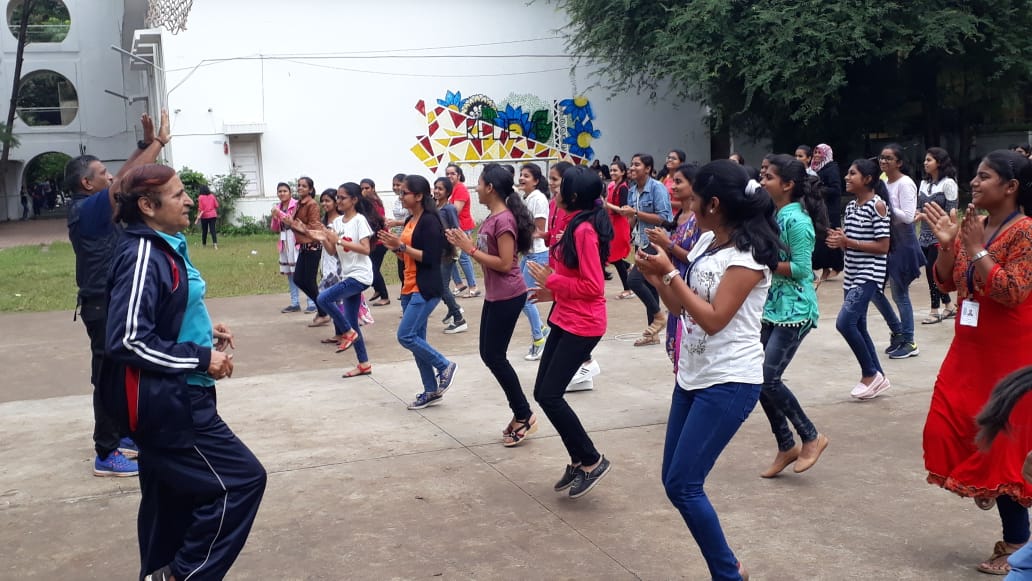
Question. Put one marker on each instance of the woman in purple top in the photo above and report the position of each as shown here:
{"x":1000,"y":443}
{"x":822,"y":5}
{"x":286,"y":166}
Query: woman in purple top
{"x":507,"y":231}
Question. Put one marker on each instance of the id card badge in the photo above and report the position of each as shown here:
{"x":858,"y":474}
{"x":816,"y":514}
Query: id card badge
{"x":969,"y":313}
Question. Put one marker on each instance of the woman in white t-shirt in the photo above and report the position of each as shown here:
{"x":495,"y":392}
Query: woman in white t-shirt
{"x":720,"y":370}
{"x":534,"y":188}
{"x":349,"y":239}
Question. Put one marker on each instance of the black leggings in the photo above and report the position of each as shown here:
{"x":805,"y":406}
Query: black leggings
{"x":564,"y":352}
{"x":497,"y":322}
{"x":208,"y":224}
{"x":931,"y":254}
{"x":647,"y":293}
{"x":306,"y":268}
{"x":448,"y":298}
{"x":621,"y":269}
{"x":379,"y":286}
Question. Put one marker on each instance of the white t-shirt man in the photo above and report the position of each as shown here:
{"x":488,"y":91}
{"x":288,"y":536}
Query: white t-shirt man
{"x":353,"y":264}
{"x":734,"y":354}
{"x":537,"y":203}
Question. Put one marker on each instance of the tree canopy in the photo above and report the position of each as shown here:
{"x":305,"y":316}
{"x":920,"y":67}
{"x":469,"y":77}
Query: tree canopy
{"x":801,"y":70}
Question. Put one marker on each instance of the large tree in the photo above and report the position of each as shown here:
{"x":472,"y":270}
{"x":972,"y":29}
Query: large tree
{"x":809,"y":70}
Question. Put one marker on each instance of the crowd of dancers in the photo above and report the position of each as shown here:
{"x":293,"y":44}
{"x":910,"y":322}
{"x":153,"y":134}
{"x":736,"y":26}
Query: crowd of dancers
{"x":729,"y":281}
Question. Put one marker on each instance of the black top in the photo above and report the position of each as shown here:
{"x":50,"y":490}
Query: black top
{"x":428,"y":236}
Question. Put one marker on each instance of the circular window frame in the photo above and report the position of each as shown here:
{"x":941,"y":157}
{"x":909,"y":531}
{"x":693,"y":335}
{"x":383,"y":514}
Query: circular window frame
{"x":36,"y":113}
{"x":56,"y":34}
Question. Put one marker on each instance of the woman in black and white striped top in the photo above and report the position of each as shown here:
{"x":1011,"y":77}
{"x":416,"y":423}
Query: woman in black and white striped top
{"x":865,"y":239}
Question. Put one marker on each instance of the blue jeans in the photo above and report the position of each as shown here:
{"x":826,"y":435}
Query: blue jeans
{"x":467,"y":267}
{"x":852,"y":325}
{"x":904,"y":323}
{"x":447,"y":265}
{"x":295,"y":294}
{"x":779,"y":403}
{"x":415,"y":310}
{"x":701,"y":424}
{"x":348,"y":291}
{"x":531,"y":309}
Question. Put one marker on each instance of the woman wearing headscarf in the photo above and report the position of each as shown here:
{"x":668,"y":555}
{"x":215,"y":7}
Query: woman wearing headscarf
{"x":828,"y":260}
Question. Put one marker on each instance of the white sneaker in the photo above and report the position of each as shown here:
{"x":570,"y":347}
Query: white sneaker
{"x":586,"y":372}
{"x":862,"y":391}
{"x":586,"y":385}
{"x":877,"y":389}
{"x":536,"y":349}
{"x":459,"y":326}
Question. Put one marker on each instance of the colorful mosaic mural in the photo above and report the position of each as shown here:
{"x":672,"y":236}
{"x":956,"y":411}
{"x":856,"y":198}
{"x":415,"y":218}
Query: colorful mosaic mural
{"x":476,"y":128}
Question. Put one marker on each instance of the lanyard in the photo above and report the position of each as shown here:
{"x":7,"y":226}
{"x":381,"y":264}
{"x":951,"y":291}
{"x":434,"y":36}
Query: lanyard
{"x":971,"y":267}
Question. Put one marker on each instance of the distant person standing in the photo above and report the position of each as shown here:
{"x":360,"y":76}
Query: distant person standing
{"x":24,"y":205}
{"x":94,"y":236}
{"x":207,"y":215}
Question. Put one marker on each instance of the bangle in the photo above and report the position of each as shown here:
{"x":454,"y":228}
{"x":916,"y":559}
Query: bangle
{"x":472,"y":253}
{"x":979,"y":255}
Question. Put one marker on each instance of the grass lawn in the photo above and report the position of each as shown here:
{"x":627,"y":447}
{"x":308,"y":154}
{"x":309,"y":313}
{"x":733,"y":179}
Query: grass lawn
{"x":42,"y":278}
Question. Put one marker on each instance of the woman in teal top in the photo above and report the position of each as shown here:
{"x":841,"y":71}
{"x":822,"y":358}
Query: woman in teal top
{"x":791,"y":310}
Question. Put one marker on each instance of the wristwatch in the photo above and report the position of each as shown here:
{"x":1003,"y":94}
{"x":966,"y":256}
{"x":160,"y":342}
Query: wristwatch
{"x":670,"y":276}
{"x":401,"y":249}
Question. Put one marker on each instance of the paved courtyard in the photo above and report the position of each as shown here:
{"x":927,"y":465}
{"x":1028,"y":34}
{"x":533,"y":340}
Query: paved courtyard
{"x":361,"y":488}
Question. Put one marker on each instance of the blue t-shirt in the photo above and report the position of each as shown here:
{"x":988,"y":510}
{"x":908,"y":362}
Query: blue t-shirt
{"x":196,"y":326}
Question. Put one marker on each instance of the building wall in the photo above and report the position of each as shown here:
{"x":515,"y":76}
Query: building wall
{"x":342,"y":119}
{"x":104,"y":125}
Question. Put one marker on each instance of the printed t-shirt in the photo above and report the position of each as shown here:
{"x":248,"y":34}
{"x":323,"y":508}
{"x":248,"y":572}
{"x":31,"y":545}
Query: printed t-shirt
{"x":537,"y":203}
{"x":500,"y":285}
{"x":354,"y":264}
{"x":409,"y":285}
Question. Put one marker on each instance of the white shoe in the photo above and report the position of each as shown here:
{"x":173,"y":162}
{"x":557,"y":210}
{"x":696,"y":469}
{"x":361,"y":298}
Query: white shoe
{"x":586,"y":372}
{"x":877,"y":389}
{"x":586,"y":385}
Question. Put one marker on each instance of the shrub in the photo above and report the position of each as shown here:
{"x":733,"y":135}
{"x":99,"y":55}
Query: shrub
{"x":228,"y":189}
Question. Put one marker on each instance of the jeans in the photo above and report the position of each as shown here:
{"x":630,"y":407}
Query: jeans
{"x":467,"y":267}
{"x":852,"y":325}
{"x":208,"y":225}
{"x":306,"y":268}
{"x":621,"y":269}
{"x":454,"y":311}
{"x":497,"y":322}
{"x":931,"y":255}
{"x":295,"y":294}
{"x":701,"y":424}
{"x":645,"y":292}
{"x":904,"y":323}
{"x":379,"y":285}
{"x":563,"y":354}
{"x":415,"y":310}
{"x":349,"y":291}
{"x":531,"y":309}
{"x":779,"y":403}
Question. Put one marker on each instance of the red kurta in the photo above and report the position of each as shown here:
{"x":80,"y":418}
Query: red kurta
{"x":620,"y":246}
{"x":978,"y":359}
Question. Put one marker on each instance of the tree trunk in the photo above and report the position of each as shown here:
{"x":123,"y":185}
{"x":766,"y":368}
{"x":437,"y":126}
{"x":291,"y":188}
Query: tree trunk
{"x":5,"y":154}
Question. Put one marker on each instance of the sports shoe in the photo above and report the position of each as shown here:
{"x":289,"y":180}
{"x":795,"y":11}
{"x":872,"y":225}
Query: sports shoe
{"x":586,"y":372}
{"x":128,"y":448}
{"x":864,"y":391}
{"x":536,"y":348}
{"x":311,"y":309}
{"x":115,"y":464}
{"x":896,"y":341}
{"x":444,"y":378}
{"x":447,"y":320}
{"x":425,"y":400}
{"x":459,"y":326}
{"x":877,"y":388}
{"x":291,"y":309}
{"x":585,"y":481}
{"x":569,"y":475}
{"x":586,"y":385}
{"x":905,"y":350}
{"x":162,"y":574}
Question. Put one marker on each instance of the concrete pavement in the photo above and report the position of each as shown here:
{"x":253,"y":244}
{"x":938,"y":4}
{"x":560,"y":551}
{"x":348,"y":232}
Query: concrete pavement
{"x":361,"y":488}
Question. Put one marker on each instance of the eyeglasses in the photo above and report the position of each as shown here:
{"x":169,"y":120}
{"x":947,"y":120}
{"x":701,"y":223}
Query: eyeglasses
{"x":887,"y":158}
{"x":407,"y":193}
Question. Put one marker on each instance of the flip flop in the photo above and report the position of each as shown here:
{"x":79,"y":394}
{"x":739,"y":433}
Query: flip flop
{"x":360,"y":370}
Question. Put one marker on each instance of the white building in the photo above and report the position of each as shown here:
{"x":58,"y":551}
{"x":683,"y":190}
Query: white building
{"x":74,"y":65}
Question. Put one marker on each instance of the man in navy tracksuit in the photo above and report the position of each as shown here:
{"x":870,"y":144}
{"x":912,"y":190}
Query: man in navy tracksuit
{"x":201,"y":486}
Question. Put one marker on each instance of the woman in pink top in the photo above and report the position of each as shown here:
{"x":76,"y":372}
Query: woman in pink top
{"x":578,"y":319}
{"x":207,"y":214}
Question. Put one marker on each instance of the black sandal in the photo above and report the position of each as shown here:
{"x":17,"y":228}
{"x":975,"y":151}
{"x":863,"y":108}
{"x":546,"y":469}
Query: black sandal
{"x":523,"y":429}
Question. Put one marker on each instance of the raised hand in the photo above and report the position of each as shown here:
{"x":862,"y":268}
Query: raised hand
{"x":165,"y":130}
{"x":148,"y":128}
{"x":972,"y":231}
{"x":944,"y":226}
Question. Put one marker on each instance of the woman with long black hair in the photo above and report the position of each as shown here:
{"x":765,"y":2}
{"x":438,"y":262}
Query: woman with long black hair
{"x":791,"y":310}
{"x":535,"y":198}
{"x":620,"y":249}
{"x":421,"y":245}
{"x":939,"y":186}
{"x":307,"y":217}
{"x":578,"y":319}
{"x":720,"y":371}
{"x":508,"y":230}
{"x":453,"y":320}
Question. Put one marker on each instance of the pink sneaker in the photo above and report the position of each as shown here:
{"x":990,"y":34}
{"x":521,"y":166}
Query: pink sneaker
{"x":864,"y":391}
{"x":877,"y":387}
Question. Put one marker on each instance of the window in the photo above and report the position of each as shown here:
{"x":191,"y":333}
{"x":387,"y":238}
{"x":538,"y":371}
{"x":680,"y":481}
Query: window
{"x":46,"y":98}
{"x":48,"y":21}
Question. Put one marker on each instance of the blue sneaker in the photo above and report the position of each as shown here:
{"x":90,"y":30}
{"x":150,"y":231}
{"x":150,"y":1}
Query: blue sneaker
{"x":128,"y":448}
{"x":425,"y":400}
{"x":444,"y":378}
{"x":115,"y":465}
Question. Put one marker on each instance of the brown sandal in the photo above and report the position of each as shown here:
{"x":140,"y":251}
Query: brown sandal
{"x":997,"y":564}
{"x":646,"y":339}
{"x":366,"y":369}
{"x":523,"y":428}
